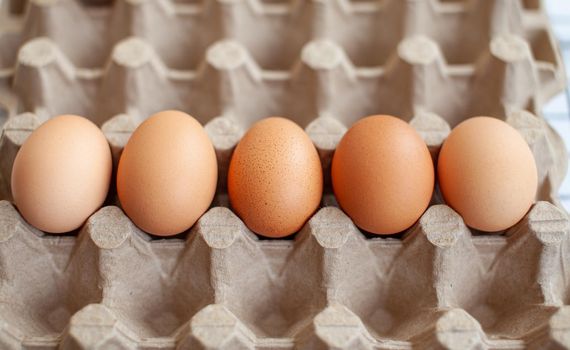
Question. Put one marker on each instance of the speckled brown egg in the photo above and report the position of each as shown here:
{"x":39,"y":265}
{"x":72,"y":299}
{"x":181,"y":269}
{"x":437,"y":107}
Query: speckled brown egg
{"x":382,"y":174}
{"x":487,"y":173}
{"x":167,"y":173}
{"x":61,"y":174}
{"x":275,"y":180}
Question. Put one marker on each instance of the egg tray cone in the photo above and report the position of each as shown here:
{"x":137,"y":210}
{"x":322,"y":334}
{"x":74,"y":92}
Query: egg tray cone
{"x":218,"y":286}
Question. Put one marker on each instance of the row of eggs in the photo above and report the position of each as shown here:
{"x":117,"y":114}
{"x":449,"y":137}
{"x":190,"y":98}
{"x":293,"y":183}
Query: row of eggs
{"x":382,"y":174}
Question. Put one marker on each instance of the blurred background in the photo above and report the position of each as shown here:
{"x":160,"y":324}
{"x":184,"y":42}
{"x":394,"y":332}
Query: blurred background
{"x":557,"y":112}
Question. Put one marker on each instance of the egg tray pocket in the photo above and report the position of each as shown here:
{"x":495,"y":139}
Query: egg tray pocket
{"x":437,"y":285}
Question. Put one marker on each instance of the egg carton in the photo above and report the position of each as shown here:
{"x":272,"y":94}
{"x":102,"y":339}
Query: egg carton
{"x":302,"y":59}
{"x":218,"y":286}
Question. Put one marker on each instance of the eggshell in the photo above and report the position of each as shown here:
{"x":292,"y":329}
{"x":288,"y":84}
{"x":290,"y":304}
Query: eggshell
{"x":487,"y":173}
{"x":275,"y":179}
{"x":167,"y":173}
{"x":61,"y":174}
{"x":382,"y":174}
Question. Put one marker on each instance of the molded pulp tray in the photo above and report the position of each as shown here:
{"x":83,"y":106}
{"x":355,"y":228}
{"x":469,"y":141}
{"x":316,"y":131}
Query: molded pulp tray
{"x":324,"y":64}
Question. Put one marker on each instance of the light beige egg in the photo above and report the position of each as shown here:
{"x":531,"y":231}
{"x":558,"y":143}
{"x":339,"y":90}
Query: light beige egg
{"x":167,"y":173}
{"x":487,"y":173}
{"x":61,"y":174}
{"x":275,"y":179}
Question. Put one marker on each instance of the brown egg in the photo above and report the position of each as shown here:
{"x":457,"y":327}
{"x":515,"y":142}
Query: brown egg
{"x":487,"y":173}
{"x":167,"y":174}
{"x":61,"y":174}
{"x":382,"y":174}
{"x":275,"y":180}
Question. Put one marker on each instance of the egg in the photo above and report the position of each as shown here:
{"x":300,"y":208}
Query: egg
{"x":275,"y":179}
{"x":487,"y":173}
{"x":382,"y":174}
{"x":167,"y":173}
{"x":61,"y":174}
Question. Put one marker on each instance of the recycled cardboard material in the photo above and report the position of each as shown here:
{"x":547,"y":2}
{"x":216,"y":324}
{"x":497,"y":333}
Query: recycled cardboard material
{"x":324,"y":64}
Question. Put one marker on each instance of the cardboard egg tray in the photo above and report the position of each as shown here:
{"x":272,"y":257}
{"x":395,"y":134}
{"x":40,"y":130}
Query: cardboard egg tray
{"x":323,"y":64}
